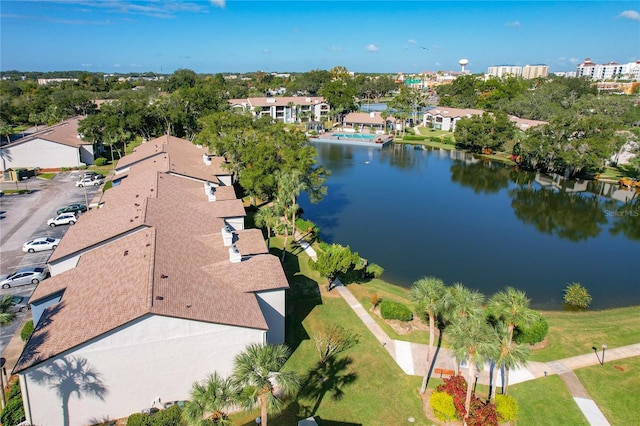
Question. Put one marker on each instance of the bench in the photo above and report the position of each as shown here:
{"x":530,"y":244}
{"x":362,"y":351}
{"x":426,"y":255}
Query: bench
{"x":442,"y":371}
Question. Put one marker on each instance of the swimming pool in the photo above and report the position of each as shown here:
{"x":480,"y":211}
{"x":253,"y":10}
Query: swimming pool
{"x":353,"y":136}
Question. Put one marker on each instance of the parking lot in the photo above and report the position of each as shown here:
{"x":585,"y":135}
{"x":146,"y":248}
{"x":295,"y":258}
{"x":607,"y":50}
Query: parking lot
{"x":24,"y":217}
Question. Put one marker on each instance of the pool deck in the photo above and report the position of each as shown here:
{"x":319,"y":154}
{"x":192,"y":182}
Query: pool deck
{"x":378,"y":142}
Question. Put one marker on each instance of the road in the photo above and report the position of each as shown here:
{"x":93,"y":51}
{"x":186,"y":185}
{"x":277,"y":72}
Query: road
{"x":24,"y":217}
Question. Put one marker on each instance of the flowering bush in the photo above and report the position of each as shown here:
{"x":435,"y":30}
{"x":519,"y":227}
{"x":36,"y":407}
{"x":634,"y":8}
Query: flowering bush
{"x":482,"y":414}
{"x":456,"y":386}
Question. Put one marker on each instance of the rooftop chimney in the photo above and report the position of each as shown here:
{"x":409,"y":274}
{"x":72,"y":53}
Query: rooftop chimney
{"x":227,"y":235}
{"x":210,"y":190}
{"x":234,"y":254}
{"x":206,"y":159}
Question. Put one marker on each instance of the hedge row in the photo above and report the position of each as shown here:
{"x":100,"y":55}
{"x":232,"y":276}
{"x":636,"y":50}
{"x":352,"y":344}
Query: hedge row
{"x":395,"y":310}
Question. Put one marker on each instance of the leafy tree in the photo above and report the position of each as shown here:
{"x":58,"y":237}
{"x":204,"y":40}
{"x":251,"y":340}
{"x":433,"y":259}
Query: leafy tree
{"x":577,"y":296}
{"x":336,"y":259}
{"x":259,"y":372}
{"x":6,"y":316}
{"x":209,"y":400}
{"x":332,"y":340}
{"x":428,"y":293}
{"x":480,"y":132}
{"x":341,"y":95}
{"x":266,"y":217}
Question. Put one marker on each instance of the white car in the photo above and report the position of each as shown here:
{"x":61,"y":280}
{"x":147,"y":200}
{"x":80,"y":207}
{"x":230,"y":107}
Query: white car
{"x":88,"y":181}
{"x":40,"y":244}
{"x":63,"y":219}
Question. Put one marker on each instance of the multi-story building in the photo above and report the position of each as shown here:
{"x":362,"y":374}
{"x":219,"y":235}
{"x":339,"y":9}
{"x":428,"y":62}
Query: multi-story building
{"x":288,"y":109}
{"x":526,"y":72}
{"x":535,"y":71}
{"x":608,"y":71}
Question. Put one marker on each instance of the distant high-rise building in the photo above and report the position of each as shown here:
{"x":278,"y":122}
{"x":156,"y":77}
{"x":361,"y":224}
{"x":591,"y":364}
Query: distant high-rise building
{"x":608,"y":71}
{"x":504,"y":71}
{"x":535,"y":71}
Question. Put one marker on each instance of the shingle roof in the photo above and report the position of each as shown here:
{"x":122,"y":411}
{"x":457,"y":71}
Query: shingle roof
{"x":65,"y":133}
{"x":364,"y":118}
{"x":281,"y":101}
{"x":454,"y":112}
{"x":174,"y":264}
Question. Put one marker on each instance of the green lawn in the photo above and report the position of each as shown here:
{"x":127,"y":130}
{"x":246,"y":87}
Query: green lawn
{"x":574,"y":333}
{"x":365,"y":386}
{"x":546,"y":401}
{"x":614,"y":390}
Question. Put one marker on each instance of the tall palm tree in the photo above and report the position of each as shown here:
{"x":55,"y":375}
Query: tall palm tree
{"x":208,"y":401}
{"x":506,"y":355}
{"x":266,"y":217}
{"x":258,"y":371}
{"x":6,"y":316}
{"x":459,"y":301}
{"x":512,"y":307}
{"x":428,"y":292}
{"x":471,"y":338}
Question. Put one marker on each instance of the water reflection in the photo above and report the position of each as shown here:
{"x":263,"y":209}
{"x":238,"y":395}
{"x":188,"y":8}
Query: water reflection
{"x":463,"y":218}
{"x":564,"y":214}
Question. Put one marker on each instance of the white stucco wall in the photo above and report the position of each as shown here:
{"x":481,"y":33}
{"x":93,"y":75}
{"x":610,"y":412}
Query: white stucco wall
{"x":272,"y":304}
{"x":154,"y":357}
{"x":40,"y":153}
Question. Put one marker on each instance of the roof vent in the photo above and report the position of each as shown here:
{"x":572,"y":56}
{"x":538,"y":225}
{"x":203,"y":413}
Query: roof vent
{"x":234,"y":254}
{"x":159,"y":298}
{"x":163,"y":276}
{"x":210,"y":190}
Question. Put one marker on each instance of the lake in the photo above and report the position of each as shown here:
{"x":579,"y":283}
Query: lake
{"x":448,"y":214}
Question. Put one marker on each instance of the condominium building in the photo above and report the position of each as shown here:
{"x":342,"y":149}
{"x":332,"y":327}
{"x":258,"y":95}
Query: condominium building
{"x":535,"y":71}
{"x":608,"y":71}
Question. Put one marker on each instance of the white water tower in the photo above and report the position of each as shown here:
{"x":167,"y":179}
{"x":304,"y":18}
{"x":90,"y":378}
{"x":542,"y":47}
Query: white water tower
{"x":462,"y":63}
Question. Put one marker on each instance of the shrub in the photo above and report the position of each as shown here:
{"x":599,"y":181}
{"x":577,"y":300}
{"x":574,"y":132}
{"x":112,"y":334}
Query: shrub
{"x":533,"y":334}
{"x":13,"y":412}
{"x":140,"y":419}
{"x":26,"y":331}
{"x":434,"y":138}
{"x":101,"y":161}
{"x":375,"y":300}
{"x":456,"y":386}
{"x":442,"y":405}
{"x":107,"y":185}
{"x":169,"y":417}
{"x":482,"y":414}
{"x":507,"y":408}
{"x":306,"y":226}
{"x":576,"y":296}
{"x":448,"y":140}
{"x":395,"y":310}
{"x":374,"y":270}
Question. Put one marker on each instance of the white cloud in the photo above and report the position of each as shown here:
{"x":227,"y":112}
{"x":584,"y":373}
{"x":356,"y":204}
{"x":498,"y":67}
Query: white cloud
{"x":574,"y":60}
{"x":219,"y":3}
{"x":630,"y":14}
{"x":515,"y":24}
{"x":372,"y":48}
{"x":335,"y":48}
{"x":85,"y":65}
{"x":412,"y":41}
{"x":266,"y":51}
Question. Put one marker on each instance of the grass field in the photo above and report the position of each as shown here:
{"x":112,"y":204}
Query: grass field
{"x":614,"y":388}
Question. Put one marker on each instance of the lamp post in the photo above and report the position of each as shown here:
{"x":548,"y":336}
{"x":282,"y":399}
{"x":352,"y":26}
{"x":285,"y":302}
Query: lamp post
{"x":475,"y":384}
{"x":604,"y":347}
{"x":595,"y":350}
{"x":25,"y":179}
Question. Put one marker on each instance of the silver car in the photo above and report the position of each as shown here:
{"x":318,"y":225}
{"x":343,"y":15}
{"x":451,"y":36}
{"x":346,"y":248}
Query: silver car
{"x":23,"y":276}
{"x":19,"y":304}
{"x":63,"y":219}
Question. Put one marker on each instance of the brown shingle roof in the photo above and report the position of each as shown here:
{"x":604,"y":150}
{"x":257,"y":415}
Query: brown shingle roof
{"x":174,"y":265}
{"x":281,"y":101}
{"x":65,"y":133}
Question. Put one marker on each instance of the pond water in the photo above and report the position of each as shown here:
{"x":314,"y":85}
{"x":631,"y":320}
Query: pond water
{"x":451,"y":215}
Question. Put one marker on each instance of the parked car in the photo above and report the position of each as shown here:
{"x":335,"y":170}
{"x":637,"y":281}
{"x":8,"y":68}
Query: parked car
{"x":63,"y":219}
{"x":89,"y":181}
{"x":72,"y":208}
{"x":40,"y":244}
{"x":23,"y":276}
{"x":18,"y":304}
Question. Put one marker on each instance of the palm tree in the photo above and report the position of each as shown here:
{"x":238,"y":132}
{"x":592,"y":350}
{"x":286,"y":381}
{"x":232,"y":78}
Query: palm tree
{"x":266,"y":217}
{"x":471,"y":338}
{"x":506,"y":355}
{"x":459,"y":301}
{"x":428,"y":292}
{"x":258,"y":371}
{"x":208,"y":401}
{"x":512,"y":307}
{"x":6,"y":316}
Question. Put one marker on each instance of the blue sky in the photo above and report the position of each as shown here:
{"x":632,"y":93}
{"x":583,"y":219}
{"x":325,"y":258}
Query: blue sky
{"x":364,"y":36}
